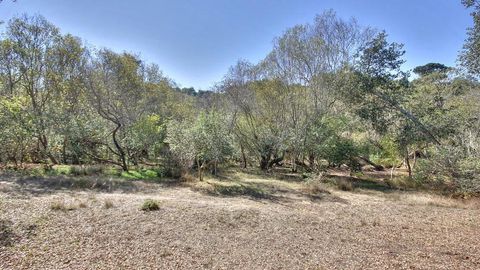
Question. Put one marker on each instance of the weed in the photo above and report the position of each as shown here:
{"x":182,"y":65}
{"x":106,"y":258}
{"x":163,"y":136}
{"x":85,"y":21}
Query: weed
{"x":108,"y":204}
{"x":150,"y":205}
{"x":187,"y":177}
{"x":61,"y":206}
{"x":344,"y":185}
{"x":314,"y":187}
{"x":82,"y":205}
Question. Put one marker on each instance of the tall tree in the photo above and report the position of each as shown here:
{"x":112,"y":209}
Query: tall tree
{"x":30,"y":41}
{"x":470,"y":55}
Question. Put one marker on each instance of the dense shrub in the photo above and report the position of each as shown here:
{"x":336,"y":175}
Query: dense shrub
{"x":449,"y":168}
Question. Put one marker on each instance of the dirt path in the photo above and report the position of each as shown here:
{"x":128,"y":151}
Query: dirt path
{"x":194,"y":230}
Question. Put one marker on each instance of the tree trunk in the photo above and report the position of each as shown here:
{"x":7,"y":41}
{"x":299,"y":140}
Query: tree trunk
{"x":199,"y":169}
{"x":377,"y":167}
{"x":64,"y":150}
{"x":294,"y":164}
{"x":44,"y":142}
{"x":121,"y":153}
{"x":264,"y":162}
{"x":311,"y":162}
{"x":244,"y":157}
{"x":407,"y":162}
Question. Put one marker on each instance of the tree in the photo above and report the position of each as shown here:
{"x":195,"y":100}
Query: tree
{"x":470,"y":55}
{"x":382,"y":85}
{"x":27,"y":50}
{"x":205,"y":141}
{"x":430,"y":68}
{"x":116,"y":91}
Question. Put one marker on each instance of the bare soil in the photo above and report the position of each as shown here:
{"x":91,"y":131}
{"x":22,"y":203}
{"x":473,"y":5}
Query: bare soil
{"x":282,"y":225}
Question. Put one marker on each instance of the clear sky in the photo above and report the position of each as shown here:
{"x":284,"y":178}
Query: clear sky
{"x":195,"y":41}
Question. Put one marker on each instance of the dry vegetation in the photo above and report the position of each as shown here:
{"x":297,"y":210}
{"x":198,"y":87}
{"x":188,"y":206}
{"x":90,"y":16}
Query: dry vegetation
{"x":244,"y":219}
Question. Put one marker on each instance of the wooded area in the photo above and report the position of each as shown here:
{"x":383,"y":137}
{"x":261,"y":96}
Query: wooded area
{"x":330,"y":93}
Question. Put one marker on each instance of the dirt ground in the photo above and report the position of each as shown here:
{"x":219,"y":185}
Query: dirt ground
{"x":285,"y":227}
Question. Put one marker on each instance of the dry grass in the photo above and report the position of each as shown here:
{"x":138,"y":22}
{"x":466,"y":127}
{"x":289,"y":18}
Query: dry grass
{"x":344,"y":184}
{"x":432,"y":200}
{"x":188,"y":178}
{"x":60,"y":205}
{"x":107,"y":204}
{"x":315,"y":187}
{"x":195,"y":230}
{"x":82,"y":205}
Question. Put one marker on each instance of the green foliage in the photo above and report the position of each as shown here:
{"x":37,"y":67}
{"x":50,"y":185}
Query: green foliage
{"x":142,"y":174}
{"x":451,"y":169}
{"x":338,"y":151}
{"x":430,"y":68}
{"x":150,"y":205}
{"x":389,"y":154}
{"x":471,"y":49}
{"x":206,"y":139}
{"x":311,"y":102}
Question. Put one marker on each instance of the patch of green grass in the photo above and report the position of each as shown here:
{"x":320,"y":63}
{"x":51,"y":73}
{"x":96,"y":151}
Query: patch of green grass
{"x":144,"y":174}
{"x":150,"y":205}
{"x":62,"y":169}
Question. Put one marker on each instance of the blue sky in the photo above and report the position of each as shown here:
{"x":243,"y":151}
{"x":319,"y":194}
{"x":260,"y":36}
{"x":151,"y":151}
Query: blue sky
{"x":195,"y":41}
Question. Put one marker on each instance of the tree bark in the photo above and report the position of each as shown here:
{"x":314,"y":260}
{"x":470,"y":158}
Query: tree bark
{"x":121,"y":153}
{"x":199,"y":169}
{"x":311,"y":161}
{"x":407,"y":162}
{"x":377,"y":167}
{"x":44,"y":141}
{"x":244,"y":157}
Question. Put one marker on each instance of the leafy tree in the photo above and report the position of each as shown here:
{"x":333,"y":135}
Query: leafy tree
{"x":205,"y":141}
{"x":27,"y":50}
{"x":117,"y":92}
{"x":470,"y":55}
{"x":430,"y":68}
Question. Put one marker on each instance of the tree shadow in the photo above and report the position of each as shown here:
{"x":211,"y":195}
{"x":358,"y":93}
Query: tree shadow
{"x":362,"y":183}
{"x":7,"y":236}
{"x":18,"y":184}
{"x":276,"y":173}
{"x":234,"y":185}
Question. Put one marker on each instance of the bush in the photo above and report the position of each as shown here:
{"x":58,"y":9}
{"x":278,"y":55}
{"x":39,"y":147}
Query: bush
{"x":449,"y":169}
{"x":150,"y":205}
{"x":338,"y":151}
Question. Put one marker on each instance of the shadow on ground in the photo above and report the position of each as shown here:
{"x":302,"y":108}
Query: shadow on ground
{"x":266,"y":187}
{"x":19,"y":184}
